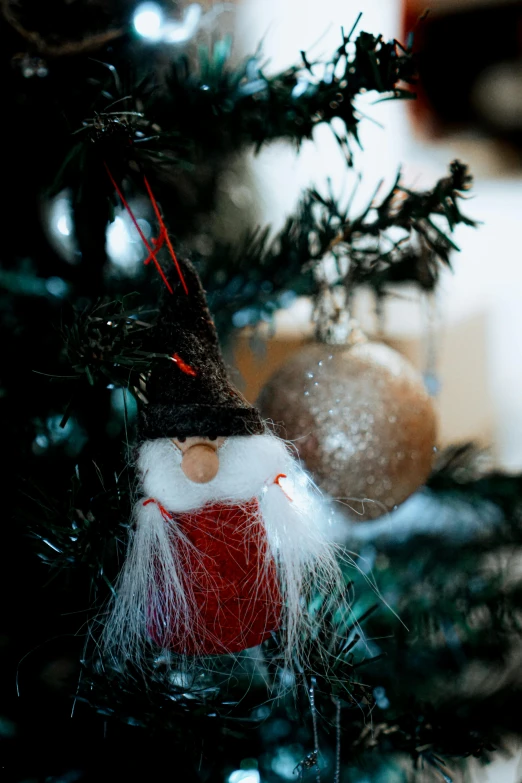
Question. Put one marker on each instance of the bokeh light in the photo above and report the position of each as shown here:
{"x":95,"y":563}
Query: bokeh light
{"x":148,"y":21}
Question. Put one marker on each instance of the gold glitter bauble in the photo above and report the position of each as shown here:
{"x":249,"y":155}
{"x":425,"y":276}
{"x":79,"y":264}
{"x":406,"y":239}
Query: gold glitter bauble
{"x":360,"y":419}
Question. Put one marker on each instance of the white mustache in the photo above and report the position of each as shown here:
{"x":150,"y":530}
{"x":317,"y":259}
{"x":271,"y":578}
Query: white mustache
{"x":246,"y":464}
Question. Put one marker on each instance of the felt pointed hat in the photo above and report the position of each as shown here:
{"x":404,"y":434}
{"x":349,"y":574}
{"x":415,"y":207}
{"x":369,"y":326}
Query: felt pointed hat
{"x":189,"y":394}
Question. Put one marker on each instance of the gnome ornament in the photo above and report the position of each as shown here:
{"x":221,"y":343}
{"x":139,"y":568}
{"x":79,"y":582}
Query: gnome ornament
{"x":228,"y":537}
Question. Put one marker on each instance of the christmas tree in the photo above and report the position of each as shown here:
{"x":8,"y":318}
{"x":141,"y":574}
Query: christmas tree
{"x":116,"y":143}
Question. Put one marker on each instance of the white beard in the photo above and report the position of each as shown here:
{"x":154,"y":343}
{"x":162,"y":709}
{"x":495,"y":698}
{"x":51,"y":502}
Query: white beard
{"x":246,"y":465}
{"x":294,"y":517}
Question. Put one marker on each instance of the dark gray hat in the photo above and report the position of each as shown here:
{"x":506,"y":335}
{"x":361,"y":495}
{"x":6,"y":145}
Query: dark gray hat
{"x":191,"y":395}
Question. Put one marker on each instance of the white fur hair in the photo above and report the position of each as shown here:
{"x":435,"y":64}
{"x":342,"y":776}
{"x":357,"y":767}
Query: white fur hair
{"x":246,"y":464}
{"x":295,"y":520}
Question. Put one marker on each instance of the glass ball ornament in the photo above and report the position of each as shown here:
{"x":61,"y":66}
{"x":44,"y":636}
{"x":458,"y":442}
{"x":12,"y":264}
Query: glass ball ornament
{"x":360,"y":419}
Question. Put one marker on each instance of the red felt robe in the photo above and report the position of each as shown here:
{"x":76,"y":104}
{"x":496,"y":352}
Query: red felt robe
{"x":231,"y":576}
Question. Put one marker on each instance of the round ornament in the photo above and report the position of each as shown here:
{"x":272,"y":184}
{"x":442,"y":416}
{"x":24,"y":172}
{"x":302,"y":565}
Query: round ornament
{"x":360,"y":419}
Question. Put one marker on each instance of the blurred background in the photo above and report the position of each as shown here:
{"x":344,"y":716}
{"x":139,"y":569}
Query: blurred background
{"x":467,"y":337}
{"x":470,"y":336}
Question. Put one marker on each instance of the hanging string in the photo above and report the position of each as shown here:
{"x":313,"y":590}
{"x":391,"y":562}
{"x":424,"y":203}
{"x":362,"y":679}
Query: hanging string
{"x":152,"y":253}
{"x":157,"y":244}
{"x":165,"y":234}
{"x":431,"y":374}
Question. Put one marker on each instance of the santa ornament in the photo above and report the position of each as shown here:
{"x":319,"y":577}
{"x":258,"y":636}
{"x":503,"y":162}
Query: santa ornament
{"x":228,"y":538}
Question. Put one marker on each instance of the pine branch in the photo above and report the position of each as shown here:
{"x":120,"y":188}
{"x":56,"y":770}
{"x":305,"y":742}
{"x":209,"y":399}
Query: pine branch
{"x":204,"y":112}
{"x":249,"y":281}
{"x":104,"y":345}
{"x":414,"y":213}
{"x":261,"y":272}
{"x":86,"y":528}
{"x":247,"y":107}
{"x":213,"y":109}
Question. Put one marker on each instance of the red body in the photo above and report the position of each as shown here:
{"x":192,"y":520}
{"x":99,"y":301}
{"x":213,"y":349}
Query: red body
{"x":230,"y":576}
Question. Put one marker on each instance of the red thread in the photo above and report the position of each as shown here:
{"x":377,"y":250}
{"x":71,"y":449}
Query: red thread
{"x":183,"y":366}
{"x":157,"y":244}
{"x":165,"y":234}
{"x":164,"y":513}
{"x":152,"y":253}
{"x":276,"y":481}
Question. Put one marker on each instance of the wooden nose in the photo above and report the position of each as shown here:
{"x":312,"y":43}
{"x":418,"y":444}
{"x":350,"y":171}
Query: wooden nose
{"x":200,"y":463}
